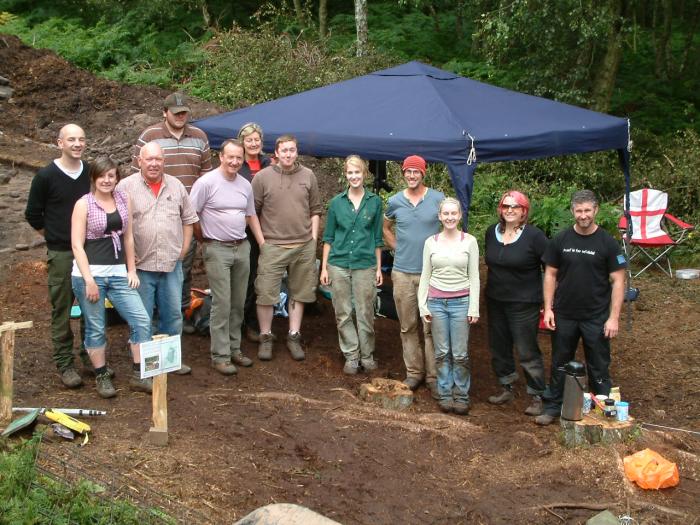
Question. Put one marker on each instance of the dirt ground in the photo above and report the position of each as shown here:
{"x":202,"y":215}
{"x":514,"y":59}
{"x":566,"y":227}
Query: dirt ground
{"x":284,"y":431}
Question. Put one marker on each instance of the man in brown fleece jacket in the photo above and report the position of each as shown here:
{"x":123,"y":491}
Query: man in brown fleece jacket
{"x":288,"y":205}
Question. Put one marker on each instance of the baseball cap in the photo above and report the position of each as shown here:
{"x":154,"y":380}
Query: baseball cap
{"x":176,"y":102}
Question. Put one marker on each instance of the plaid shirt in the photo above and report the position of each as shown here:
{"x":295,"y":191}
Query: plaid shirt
{"x":97,"y":220}
{"x":158,"y":221}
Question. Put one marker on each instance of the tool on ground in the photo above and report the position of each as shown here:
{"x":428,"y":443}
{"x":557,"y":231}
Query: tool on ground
{"x":68,"y":421}
{"x":82,"y":412}
{"x":23,"y":422}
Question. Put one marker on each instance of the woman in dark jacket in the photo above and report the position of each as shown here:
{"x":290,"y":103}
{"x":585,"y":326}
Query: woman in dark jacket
{"x":251,"y":135}
{"x":514,"y":251}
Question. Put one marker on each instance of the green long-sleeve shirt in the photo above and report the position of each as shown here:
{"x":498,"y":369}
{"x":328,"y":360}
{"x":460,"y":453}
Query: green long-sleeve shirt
{"x":354,"y":235}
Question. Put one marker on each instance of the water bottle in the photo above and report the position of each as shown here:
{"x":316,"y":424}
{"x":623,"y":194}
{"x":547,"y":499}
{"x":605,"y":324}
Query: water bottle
{"x":574,"y":388}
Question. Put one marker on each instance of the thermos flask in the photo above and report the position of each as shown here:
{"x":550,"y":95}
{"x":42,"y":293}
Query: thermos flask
{"x":574,"y":387}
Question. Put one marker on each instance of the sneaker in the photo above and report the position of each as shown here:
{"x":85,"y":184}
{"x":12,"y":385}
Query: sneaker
{"x":265,"y":347}
{"x":183,"y":370}
{"x":461,"y":408}
{"x":225,"y":368}
{"x":351,"y":366}
{"x":368,"y":364}
{"x":412,"y":382}
{"x":544,"y":419}
{"x":294,"y":346}
{"x":140,"y":385}
{"x":505,"y":396}
{"x":241,"y":360}
{"x":105,"y":388}
{"x":445,"y":406}
{"x":71,"y":378}
{"x":536,"y":407}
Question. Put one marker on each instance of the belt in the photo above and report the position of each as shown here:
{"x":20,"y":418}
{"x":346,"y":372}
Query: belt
{"x":234,"y":242}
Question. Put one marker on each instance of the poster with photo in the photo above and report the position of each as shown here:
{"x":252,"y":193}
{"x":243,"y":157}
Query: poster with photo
{"x":160,"y":356}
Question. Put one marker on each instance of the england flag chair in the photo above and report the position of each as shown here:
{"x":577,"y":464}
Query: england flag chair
{"x":654,"y":233}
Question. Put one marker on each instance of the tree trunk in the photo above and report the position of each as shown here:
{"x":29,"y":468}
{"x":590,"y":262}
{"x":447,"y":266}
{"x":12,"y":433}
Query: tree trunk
{"x":299,"y":11}
{"x":604,"y":82}
{"x":662,"y":39}
{"x":689,"y":45}
{"x":323,"y":18}
{"x":361,"y":24}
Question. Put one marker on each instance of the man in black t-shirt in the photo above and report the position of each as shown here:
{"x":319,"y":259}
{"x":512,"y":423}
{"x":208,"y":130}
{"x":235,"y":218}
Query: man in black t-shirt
{"x":579,"y":300}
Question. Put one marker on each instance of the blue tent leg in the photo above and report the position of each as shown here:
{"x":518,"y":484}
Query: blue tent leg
{"x":462,"y":176}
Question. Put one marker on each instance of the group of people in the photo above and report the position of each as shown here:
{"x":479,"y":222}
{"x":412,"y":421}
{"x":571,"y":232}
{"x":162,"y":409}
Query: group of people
{"x":132,"y":241}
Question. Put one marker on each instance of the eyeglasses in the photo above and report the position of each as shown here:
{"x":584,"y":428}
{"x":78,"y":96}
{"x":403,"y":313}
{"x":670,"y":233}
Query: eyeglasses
{"x":511,"y":207}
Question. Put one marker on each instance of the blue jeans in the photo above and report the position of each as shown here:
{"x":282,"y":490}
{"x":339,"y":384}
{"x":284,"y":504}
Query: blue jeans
{"x":450,"y":330}
{"x":163,"y":290}
{"x":126,"y":301}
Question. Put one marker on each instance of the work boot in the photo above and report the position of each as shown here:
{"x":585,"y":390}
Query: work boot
{"x":536,"y":407}
{"x":225,"y":368}
{"x":412,"y":382}
{"x":105,"y":388}
{"x":265,"y":347}
{"x":432,"y":387}
{"x":445,"y":406}
{"x":461,"y":408}
{"x":544,"y":419}
{"x":71,"y":378}
{"x":505,"y":396}
{"x":241,"y":360}
{"x":368,"y":364}
{"x":183,"y":370}
{"x":140,"y":385}
{"x":351,"y":366}
{"x":294,"y":346}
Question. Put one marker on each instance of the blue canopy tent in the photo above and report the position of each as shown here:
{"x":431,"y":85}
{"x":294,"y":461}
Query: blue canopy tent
{"x":419,"y":109}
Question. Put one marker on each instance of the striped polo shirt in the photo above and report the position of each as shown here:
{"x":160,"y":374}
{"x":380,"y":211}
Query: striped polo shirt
{"x":186,"y":158}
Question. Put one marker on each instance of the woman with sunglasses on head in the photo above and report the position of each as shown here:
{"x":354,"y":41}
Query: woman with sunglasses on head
{"x":448,"y":298}
{"x":514,"y":251}
{"x":351,"y":264}
{"x":251,"y":135}
{"x":105,"y":268}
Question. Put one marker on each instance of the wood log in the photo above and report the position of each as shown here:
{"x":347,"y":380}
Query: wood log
{"x":7,"y":357}
{"x":158,"y":433}
{"x":595,"y":428}
{"x":387,"y":393}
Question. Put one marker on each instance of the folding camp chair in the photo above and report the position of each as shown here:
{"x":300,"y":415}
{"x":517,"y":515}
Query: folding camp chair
{"x":650,"y":235}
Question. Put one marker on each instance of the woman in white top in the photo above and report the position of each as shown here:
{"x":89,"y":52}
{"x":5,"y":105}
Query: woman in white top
{"x":448,"y":297}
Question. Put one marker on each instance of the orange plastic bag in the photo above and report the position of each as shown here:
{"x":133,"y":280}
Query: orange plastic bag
{"x":650,"y":470}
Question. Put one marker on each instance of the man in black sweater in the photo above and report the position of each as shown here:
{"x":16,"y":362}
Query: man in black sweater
{"x":53,"y":193}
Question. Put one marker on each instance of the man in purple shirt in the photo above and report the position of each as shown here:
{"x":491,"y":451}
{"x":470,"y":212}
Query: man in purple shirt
{"x":225,"y":205}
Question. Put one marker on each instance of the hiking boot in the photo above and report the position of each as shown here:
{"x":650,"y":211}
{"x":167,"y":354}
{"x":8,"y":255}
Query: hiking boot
{"x":536,"y":407}
{"x":254,"y":336}
{"x":368,"y":364}
{"x":505,"y":396}
{"x":432,"y":386}
{"x":140,"y":385}
{"x":445,"y":406}
{"x":188,"y":327}
{"x":351,"y":366}
{"x":90,"y":370}
{"x":71,"y":378}
{"x":544,"y":419}
{"x":225,"y":368}
{"x":294,"y":346}
{"x":265,"y":347}
{"x":241,"y":360}
{"x":412,"y":382}
{"x":105,"y":388}
{"x":461,"y":408}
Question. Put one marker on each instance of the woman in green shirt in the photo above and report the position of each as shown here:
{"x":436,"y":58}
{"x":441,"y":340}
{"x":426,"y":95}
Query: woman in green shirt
{"x":351,"y":264}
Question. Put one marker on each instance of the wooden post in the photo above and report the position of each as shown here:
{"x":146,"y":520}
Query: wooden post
{"x":158,"y":433}
{"x":7,"y":356}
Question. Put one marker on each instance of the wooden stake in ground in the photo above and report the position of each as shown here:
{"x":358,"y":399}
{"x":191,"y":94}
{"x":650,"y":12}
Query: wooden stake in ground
{"x":7,"y":357}
{"x":158,"y":433}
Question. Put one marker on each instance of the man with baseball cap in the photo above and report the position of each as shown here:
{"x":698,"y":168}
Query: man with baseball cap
{"x":411,"y":217}
{"x":187,"y":156}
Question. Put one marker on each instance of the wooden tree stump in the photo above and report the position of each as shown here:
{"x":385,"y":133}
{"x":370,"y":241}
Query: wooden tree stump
{"x":387,"y":393}
{"x":595,"y":428}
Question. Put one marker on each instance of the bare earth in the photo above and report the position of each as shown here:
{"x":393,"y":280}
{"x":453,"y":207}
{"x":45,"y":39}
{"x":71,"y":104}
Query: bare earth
{"x":293,"y":432}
